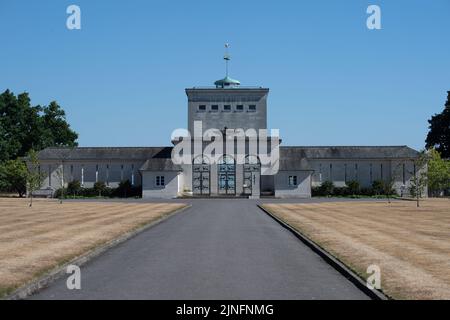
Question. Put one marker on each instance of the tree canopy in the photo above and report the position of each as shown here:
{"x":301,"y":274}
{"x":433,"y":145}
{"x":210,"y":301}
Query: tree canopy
{"x":438,"y":173}
{"x":24,"y":127}
{"x":439,"y":134}
{"x":13,"y":176}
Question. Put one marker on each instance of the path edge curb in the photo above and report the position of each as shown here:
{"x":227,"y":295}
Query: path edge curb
{"x":56,"y":273}
{"x":330,"y":259}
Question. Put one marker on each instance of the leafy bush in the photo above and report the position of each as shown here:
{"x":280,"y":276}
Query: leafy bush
{"x":13,"y":177}
{"x":326,"y":189}
{"x":136,"y":192}
{"x":108,"y":192}
{"x":88,"y":192}
{"x":59,"y":193}
{"x":100,"y":188}
{"x":378,"y":187}
{"x":124,"y":189}
{"x":366,"y":192}
{"x":316,"y":192}
{"x":389,"y":189}
{"x":340,"y":191}
{"x":73,"y":188}
{"x":353,"y":187}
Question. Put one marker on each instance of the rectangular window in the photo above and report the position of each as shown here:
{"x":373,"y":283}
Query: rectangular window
{"x":202,"y":108}
{"x":371,"y":173}
{"x":252,"y":108}
{"x":356,"y":171}
{"x":160,"y":181}
{"x":403,"y":174}
{"x":214,"y":108}
{"x":345,"y":173}
{"x":132,"y":174}
{"x":82,"y":175}
{"x":381,"y":171}
{"x":239,"y":108}
{"x":292,"y":181}
{"x":227,"y":107}
{"x":331,"y":172}
{"x":49,"y":175}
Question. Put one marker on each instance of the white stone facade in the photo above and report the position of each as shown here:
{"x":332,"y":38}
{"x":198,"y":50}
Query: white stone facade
{"x":301,"y":168}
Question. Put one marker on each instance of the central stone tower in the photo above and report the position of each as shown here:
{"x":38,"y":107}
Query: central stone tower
{"x":226,"y":106}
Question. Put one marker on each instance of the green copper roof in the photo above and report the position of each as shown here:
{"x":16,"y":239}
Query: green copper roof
{"x":227,"y":82}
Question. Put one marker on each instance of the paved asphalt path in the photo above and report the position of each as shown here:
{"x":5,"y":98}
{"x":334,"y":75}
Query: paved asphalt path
{"x":217,"y":249}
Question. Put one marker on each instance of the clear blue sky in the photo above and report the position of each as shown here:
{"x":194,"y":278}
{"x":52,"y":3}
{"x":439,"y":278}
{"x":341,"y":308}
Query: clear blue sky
{"x":121,"y":78}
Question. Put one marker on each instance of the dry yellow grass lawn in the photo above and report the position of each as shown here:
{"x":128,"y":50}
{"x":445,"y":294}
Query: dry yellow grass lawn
{"x":411,"y":245}
{"x":34,"y":240}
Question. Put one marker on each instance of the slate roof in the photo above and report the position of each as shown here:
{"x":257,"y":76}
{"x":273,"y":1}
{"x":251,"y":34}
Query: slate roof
{"x":156,"y":164}
{"x":107,"y":153}
{"x":348,"y":152}
{"x":291,"y":158}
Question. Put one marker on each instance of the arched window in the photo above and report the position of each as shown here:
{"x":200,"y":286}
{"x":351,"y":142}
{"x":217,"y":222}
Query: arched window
{"x":201,"y":175}
{"x":227,"y":175}
{"x":226,"y":163}
{"x":252,"y":159}
{"x":201,"y":159}
{"x":252,"y":169}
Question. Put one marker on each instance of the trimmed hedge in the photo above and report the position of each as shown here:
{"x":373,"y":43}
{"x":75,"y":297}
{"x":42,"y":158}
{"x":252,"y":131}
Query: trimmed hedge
{"x":124,"y":190}
{"x":352,"y":189}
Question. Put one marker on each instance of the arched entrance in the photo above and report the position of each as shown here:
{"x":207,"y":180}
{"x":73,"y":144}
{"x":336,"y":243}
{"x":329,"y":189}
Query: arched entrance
{"x":201,"y":176}
{"x":226,"y":175}
{"x":252,"y":173}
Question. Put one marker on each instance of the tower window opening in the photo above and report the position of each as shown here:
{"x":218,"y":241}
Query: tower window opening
{"x":292,"y":181}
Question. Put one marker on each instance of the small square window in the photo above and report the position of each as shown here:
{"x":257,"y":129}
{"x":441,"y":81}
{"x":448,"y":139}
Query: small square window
{"x":214,"y":108}
{"x":292,"y":181}
{"x":252,"y":108}
{"x":201,"y":108}
{"x":160,"y":181}
{"x":239,"y":107}
{"x":227,"y":107}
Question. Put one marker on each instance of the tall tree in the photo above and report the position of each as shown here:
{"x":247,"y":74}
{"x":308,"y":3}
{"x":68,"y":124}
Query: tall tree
{"x":13,"y":176}
{"x":34,"y":177}
{"x":11,"y":119}
{"x":31,"y":127}
{"x":439,"y":135}
{"x":419,"y":179}
{"x":3,"y":143}
{"x":58,"y":130}
{"x":438,"y":173}
{"x":24,"y":127}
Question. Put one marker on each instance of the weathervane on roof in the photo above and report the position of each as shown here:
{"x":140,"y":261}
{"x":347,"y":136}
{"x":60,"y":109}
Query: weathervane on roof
{"x":227,"y":82}
{"x":226,"y":57}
